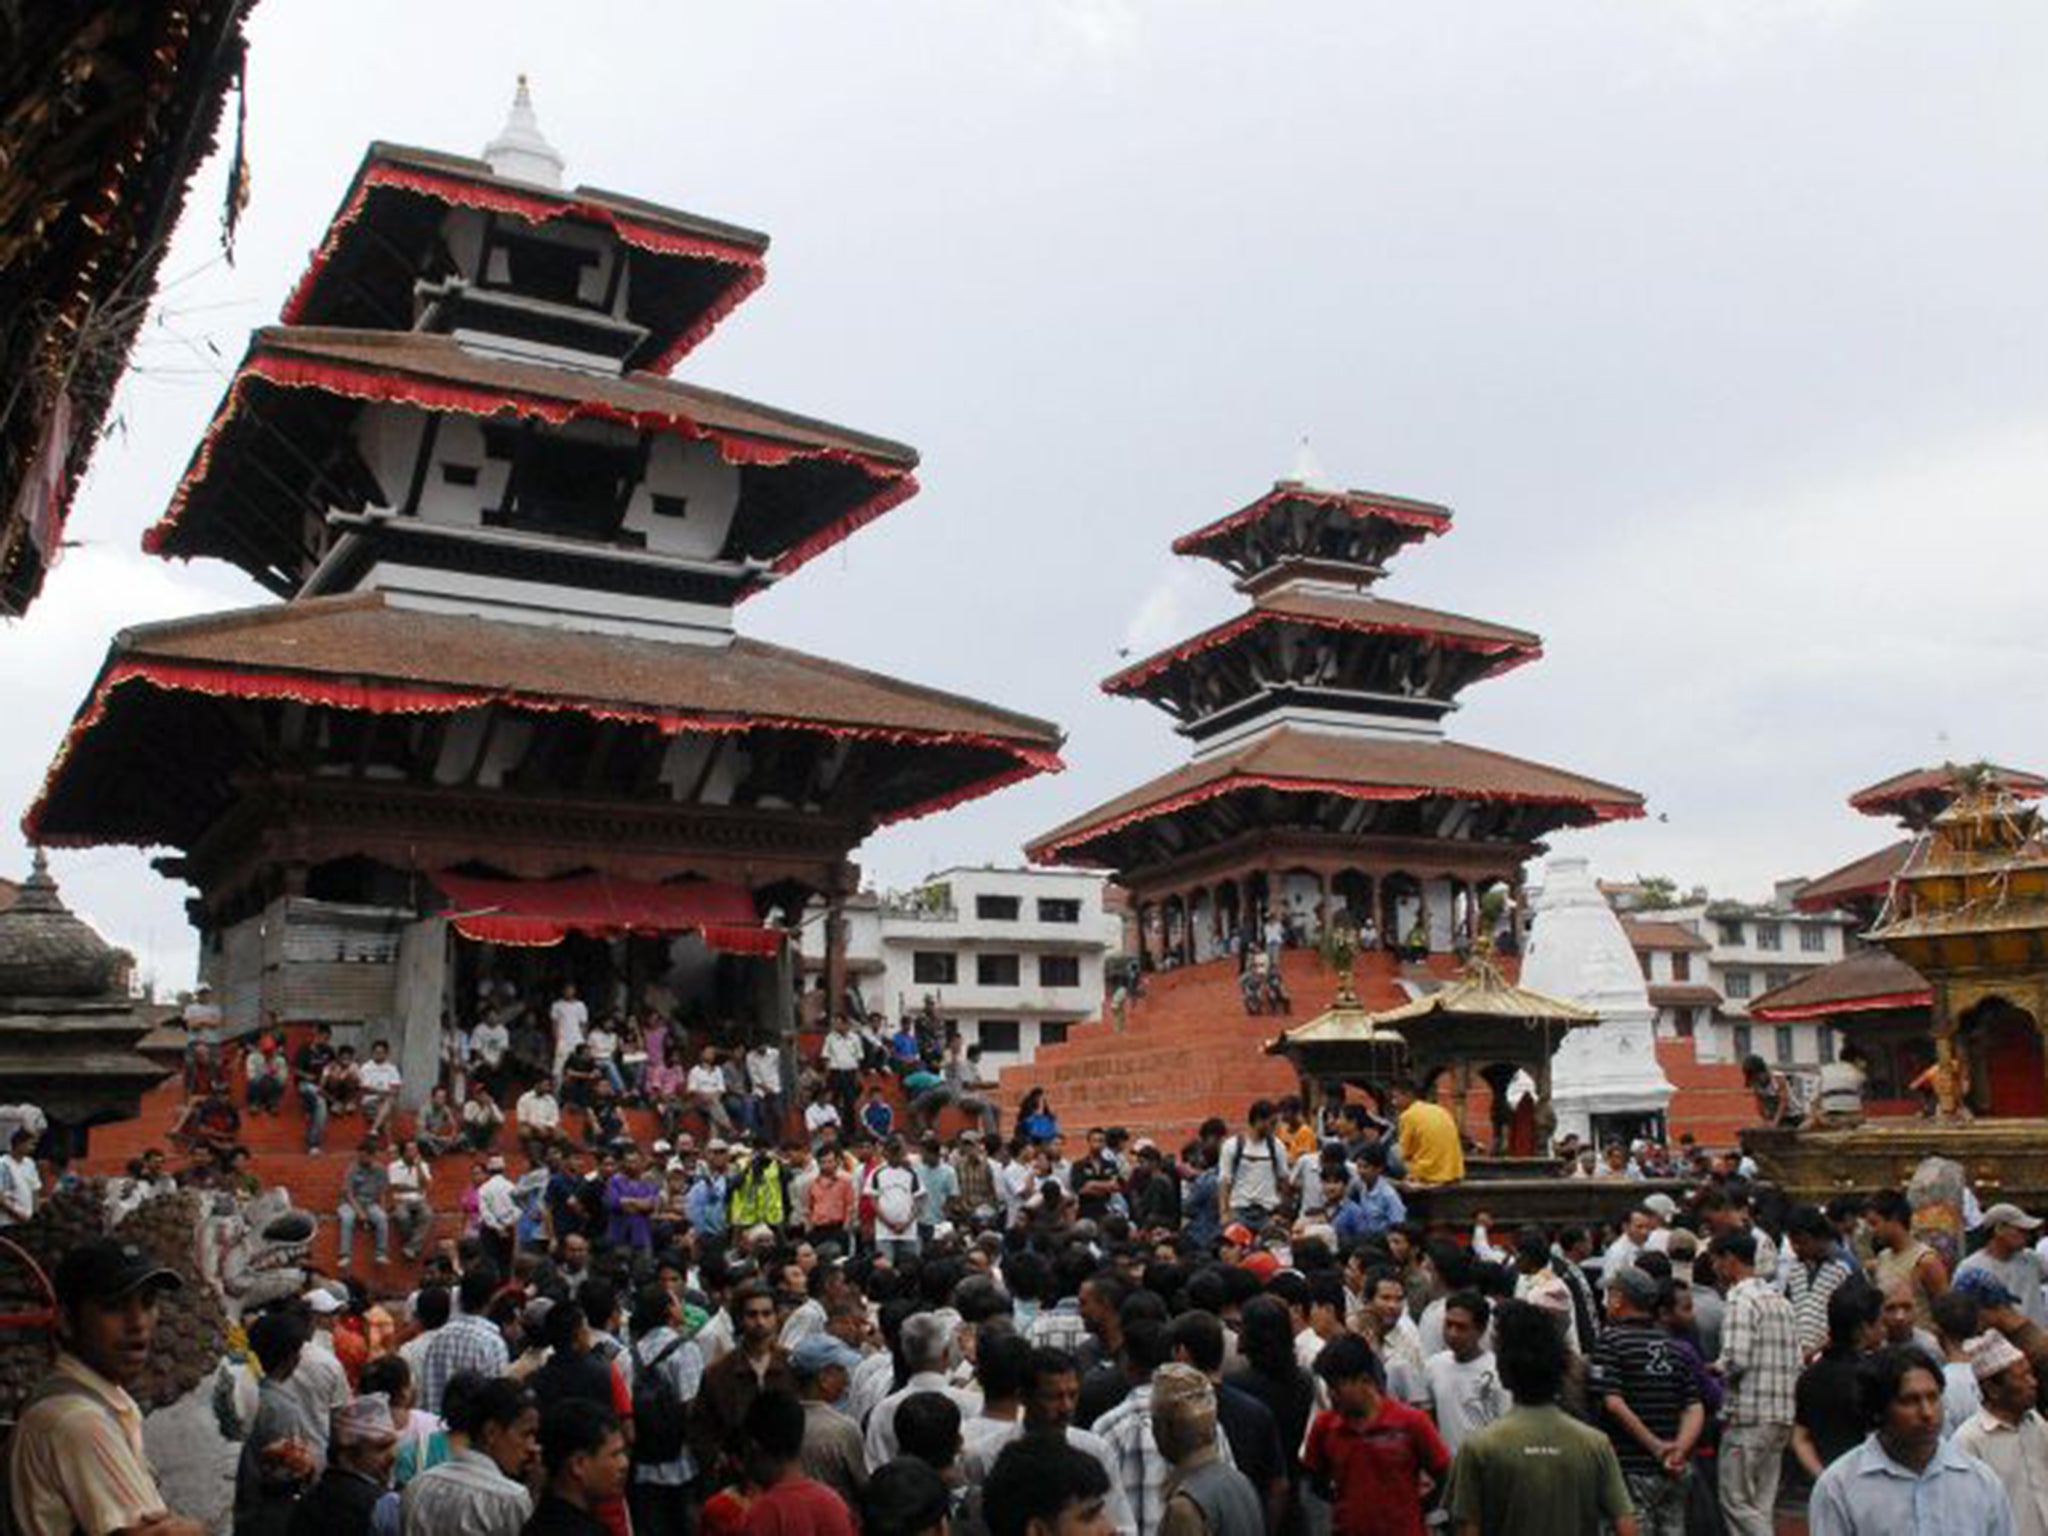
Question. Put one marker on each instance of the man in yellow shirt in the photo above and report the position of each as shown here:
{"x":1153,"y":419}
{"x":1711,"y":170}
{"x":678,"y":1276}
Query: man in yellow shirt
{"x":76,"y":1462}
{"x":1430,"y":1144}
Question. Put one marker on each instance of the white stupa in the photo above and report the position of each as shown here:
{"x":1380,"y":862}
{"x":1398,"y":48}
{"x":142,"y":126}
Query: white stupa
{"x":1578,"y":951}
{"x":521,"y":151}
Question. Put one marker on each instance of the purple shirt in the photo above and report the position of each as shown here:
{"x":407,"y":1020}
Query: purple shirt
{"x":633,"y":1228}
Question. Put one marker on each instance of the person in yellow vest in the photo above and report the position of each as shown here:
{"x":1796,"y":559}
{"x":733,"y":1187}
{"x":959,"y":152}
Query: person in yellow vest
{"x":1430,"y":1144}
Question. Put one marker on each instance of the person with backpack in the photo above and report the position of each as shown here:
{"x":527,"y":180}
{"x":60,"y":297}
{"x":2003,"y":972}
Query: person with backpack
{"x":1252,"y":1173}
{"x":667,"y":1371}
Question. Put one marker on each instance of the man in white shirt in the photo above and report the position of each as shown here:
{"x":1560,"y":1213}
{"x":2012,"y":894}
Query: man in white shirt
{"x":764,"y":1082}
{"x":570,"y":1018}
{"x":380,"y":1082}
{"x":538,"y":1116}
{"x":2007,"y":1256}
{"x":843,"y":1053}
{"x":2008,"y":1434}
{"x":1252,"y":1170}
{"x":497,"y":1207}
{"x":1635,"y":1237}
{"x":706,"y":1087}
{"x":20,"y":1180}
{"x":488,"y":1043}
{"x":1465,"y":1389}
{"x":929,"y":1345}
{"x":409,"y":1180}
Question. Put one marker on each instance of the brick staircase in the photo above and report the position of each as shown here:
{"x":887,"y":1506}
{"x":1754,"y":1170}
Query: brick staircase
{"x":278,"y":1157}
{"x":1711,"y":1101}
{"x":1188,"y":1050}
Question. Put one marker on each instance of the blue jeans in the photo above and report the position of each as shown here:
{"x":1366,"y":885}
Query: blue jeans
{"x":315,"y":1105}
{"x":380,"y":1226}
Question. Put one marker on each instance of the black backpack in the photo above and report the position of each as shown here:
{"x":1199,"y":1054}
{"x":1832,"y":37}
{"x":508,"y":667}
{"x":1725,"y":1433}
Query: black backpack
{"x":659,"y":1416}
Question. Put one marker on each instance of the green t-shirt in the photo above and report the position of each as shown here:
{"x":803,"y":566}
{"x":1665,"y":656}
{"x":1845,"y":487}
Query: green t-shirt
{"x":1537,"y":1472}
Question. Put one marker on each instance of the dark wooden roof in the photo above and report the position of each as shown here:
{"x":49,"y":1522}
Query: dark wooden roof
{"x":804,"y":483}
{"x":1289,"y":760}
{"x":1362,"y":613}
{"x":687,"y":272}
{"x":1918,"y":795}
{"x":359,"y":656}
{"x":105,"y":111}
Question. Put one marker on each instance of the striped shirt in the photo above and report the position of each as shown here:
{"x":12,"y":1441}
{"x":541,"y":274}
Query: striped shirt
{"x":1808,"y":1287}
{"x":1635,"y":1362}
{"x":1759,"y":1355}
{"x":1141,"y":1467}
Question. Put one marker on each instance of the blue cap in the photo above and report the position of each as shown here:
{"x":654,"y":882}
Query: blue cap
{"x":1989,"y":1290}
{"x":818,"y":1354}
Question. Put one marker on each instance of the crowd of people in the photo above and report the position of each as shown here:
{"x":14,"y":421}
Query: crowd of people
{"x":768,"y":1319}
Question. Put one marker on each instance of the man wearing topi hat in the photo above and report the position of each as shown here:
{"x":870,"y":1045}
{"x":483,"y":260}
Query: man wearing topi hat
{"x":2007,"y":1434}
{"x":362,"y":1445}
{"x":76,"y":1462}
{"x":2008,"y":1253}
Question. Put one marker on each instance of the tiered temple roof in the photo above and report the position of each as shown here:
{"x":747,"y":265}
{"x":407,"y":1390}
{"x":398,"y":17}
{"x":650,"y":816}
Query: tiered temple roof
{"x":511,"y":549}
{"x":1320,"y":709}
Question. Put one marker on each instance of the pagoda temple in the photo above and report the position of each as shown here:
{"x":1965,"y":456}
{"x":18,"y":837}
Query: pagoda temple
{"x":502,"y":710}
{"x":1321,"y":785}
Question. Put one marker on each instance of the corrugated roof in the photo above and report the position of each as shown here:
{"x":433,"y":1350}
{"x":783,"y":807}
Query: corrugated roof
{"x":1863,"y":981}
{"x":1870,"y":875}
{"x":1656,"y":933}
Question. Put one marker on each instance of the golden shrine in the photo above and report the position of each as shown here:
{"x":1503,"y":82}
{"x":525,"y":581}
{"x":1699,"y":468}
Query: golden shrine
{"x":1967,"y":910}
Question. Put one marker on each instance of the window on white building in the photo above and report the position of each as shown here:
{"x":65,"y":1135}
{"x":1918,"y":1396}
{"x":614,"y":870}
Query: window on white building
{"x":998,"y":1035}
{"x":1776,"y":979}
{"x":1784,"y":1045}
{"x":995,"y":970}
{"x":1052,"y":1032}
{"x":1736,"y":983}
{"x":1681,"y":966}
{"x":1683,"y":1017}
{"x":1769,"y":936}
{"x":1826,"y":1036}
{"x":998,"y":909}
{"x":1731,"y":934}
{"x":1743,"y":1042}
{"x":1059,"y":970}
{"x":1059,"y":909}
{"x":1813,"y":939}
{"x":1643,"y":959}
{"x":934,"y":968}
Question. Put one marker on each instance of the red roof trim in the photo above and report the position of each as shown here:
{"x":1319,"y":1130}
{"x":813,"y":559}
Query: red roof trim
{"x":896,"y":484}
{"x":1512,"y":653}
{"x":387,"y":698}
{"x":537,"y":208}
{"x":1050,"y":851}
{"x":1357,"y":503}
{"x":1826,"y":1009}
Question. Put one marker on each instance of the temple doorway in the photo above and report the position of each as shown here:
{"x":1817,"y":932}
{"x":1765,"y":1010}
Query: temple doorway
{"x":2004,"y":1049}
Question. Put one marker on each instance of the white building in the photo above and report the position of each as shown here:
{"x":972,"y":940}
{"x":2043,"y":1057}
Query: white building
{"x":1737,"y":951}
{"x":1013,"y":957}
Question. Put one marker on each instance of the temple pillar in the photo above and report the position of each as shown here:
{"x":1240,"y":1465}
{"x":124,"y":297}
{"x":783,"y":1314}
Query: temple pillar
{"x":835,"y":957}
{"x":420,"y":1002}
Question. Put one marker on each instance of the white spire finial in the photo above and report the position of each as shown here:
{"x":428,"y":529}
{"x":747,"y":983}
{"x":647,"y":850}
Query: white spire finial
{"x":1308,"y":469}
{"x":519,"y":153}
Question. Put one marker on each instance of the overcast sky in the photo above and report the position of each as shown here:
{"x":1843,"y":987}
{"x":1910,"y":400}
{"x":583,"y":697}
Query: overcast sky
{"x":1721,"y":326}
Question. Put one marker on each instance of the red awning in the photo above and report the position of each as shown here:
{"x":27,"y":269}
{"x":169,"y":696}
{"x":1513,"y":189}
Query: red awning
{"x":541,"y":912}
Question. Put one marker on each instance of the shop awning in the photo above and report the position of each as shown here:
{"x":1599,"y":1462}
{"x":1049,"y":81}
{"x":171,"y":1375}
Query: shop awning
{"x":542,"y":912}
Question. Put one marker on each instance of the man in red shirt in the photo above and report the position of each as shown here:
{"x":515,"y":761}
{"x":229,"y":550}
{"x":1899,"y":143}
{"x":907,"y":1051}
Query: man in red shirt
{"x":1377,"y":1457}
{"x":789,"y":1503}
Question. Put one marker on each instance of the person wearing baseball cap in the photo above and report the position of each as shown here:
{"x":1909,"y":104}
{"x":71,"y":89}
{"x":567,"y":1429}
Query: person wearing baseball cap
{"x":2008,"y":1253}
{"x":834,"y":1451}
{"x":76,"y":1462}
